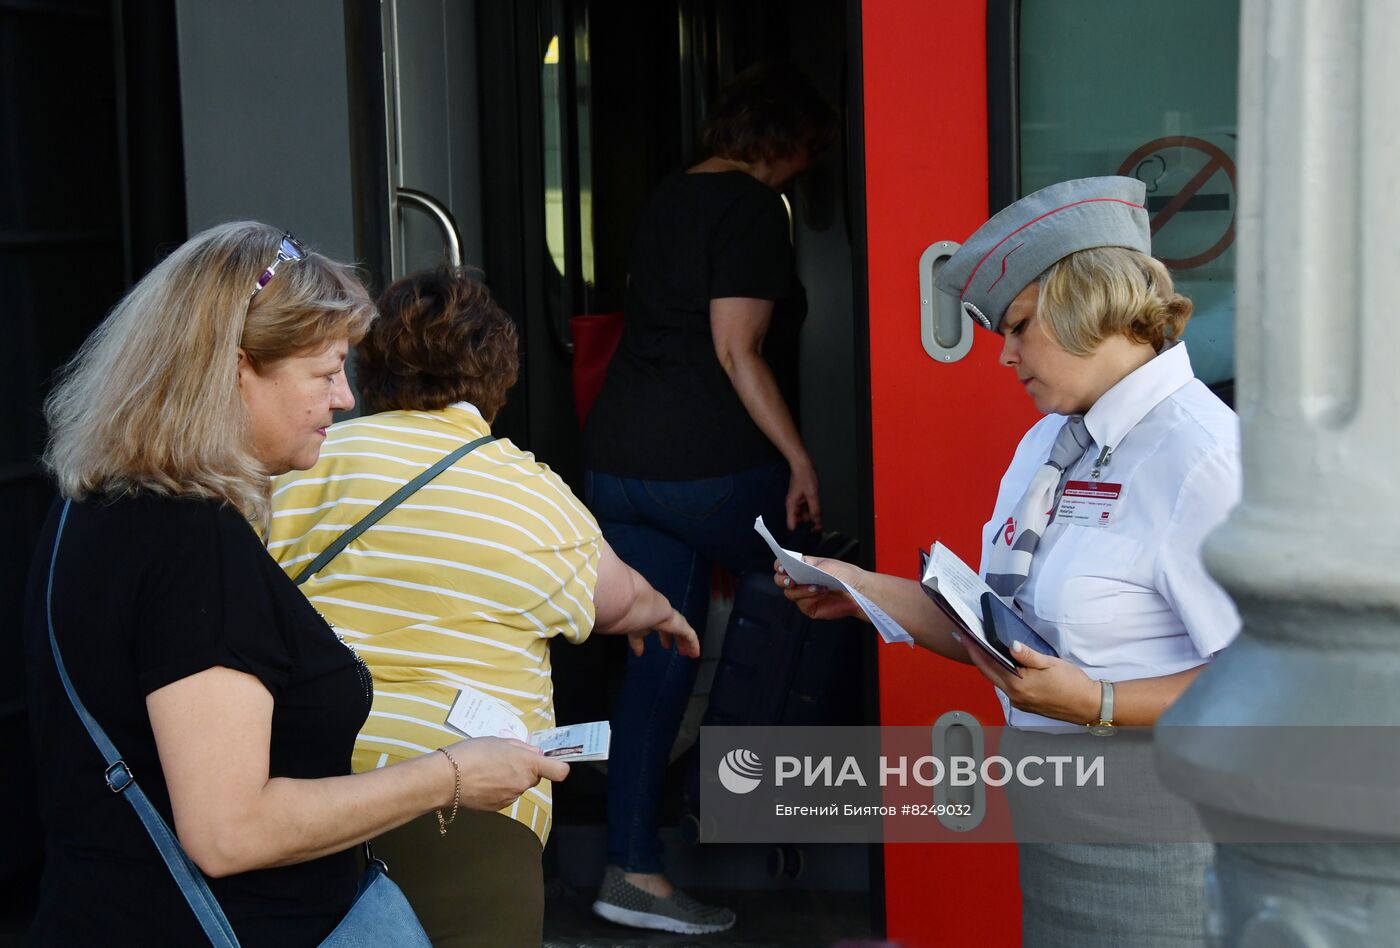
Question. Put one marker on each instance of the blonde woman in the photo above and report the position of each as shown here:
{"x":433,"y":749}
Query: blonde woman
{"x":232,"y":702}
{"x":1091,"y":326}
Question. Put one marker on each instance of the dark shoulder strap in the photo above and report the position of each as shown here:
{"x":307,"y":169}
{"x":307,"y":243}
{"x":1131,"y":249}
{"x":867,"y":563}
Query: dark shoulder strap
{"x":120,"y":781}
{"x":388,"y":504}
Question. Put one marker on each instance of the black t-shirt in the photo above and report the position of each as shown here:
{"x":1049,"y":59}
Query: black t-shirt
{"x":148,"y":590}
{"x":668,"y":410}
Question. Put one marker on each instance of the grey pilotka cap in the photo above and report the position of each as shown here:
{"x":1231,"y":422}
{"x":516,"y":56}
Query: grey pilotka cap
{"x":1007,"y":253}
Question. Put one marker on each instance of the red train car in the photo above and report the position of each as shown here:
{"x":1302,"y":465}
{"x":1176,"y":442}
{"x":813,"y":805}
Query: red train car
{"x":527,"y":134}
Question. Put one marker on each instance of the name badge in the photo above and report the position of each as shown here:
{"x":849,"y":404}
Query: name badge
{"x":1088,"y":503}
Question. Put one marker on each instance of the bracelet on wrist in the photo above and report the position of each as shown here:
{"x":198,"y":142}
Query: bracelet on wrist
{"x":443,"y":823}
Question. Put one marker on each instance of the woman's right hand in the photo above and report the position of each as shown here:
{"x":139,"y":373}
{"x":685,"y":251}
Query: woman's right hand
{"x":817,"y":602}
{"x":803,"y":501}
{"x":495,"y":771}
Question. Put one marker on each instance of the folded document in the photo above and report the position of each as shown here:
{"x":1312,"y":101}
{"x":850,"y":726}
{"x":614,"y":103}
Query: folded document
{"x":969,"y":602}
{"x":806,"y":574}
{"x":477,"y":714}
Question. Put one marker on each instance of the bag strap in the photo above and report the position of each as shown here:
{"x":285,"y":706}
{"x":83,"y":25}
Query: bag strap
{"x":388,"y":504}
{"x":121,"y":781}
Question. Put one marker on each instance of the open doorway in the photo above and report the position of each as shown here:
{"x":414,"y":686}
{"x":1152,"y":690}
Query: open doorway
{"x":575,"y":110}
{"x":596,"y":103}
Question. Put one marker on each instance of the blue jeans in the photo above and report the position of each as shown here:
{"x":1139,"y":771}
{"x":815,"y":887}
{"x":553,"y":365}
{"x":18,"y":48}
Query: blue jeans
{"x":671,"y":532}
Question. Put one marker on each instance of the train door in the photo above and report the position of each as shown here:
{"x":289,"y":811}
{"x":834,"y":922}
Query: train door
{"x":968,"y":105}
{"x":940,"y":433}
{"x":541,"y":155}
{"x":522,"y":139}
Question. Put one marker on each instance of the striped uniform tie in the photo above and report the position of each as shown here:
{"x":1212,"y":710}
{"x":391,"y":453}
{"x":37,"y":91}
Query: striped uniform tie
{"x":1016,"y":540}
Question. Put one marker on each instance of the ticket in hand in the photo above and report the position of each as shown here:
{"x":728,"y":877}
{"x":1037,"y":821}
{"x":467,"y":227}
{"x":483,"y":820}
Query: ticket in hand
{"x":805,"y":574}
{"x":802,"y":572}
{"x":477,"y":714}
{"x":575,"y":742}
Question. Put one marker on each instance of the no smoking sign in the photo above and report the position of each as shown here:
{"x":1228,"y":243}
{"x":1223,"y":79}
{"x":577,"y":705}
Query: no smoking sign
{"x":1190,"y":198}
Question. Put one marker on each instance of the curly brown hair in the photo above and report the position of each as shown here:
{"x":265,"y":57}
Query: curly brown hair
{"x":768,"y":112}
{"x":440,"y":338}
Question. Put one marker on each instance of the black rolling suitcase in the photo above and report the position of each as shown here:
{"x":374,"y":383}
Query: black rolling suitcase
{"x":779,"y":667}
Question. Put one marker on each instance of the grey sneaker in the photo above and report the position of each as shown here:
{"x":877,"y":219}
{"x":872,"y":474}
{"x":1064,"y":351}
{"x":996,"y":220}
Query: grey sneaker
{"x":622,"y":902}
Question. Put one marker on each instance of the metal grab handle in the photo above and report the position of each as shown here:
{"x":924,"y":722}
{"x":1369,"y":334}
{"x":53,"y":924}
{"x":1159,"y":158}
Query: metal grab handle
{"x":946,"y":331}
{"x":958,"y":733}
{"x":429,"y":205}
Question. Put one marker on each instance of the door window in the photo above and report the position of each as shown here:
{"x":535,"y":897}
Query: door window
{"x":1147,"y":90}
{"x":566,"y":123}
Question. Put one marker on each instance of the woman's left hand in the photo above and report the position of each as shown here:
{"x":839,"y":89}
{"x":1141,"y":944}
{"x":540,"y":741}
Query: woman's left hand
{"x":1048,"y":685}
{"x":672,"y":629}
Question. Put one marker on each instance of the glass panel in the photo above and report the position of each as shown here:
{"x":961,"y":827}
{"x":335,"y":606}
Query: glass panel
{"x":552,"y":92}
{"x":1145,"y":89}
{"x":566,"y":126}
{"x":583,"y":95}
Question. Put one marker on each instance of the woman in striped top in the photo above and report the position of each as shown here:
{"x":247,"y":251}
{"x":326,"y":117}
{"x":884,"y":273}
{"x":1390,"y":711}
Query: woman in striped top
{"x":460,"y":588}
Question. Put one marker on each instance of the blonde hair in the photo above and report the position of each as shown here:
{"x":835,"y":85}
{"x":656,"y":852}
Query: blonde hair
{"x":151,"y":400}
{"x":1105,"y":291}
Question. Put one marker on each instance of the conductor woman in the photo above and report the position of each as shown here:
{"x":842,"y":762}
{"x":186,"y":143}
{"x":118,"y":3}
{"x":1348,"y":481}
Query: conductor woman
{"x":1091,"y":327}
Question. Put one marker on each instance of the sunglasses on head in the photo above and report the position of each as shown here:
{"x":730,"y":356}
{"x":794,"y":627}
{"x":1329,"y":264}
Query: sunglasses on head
{"x":287,"y":250}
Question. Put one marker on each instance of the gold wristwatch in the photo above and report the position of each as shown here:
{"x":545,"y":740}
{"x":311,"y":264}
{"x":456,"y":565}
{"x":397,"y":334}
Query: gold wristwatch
{"x":1104,"y":726}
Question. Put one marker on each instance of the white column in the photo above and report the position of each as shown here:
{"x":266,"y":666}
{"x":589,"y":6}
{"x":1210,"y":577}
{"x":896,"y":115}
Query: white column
{"x":1312,"y":554}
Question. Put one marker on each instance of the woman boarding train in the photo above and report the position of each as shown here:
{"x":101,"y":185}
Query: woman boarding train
{"x":694,"y":435}
{"x":1092,"y":328}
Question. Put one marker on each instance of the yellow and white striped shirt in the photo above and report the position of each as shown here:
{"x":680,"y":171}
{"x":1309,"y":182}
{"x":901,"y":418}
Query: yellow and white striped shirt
{"x":464,"y":583}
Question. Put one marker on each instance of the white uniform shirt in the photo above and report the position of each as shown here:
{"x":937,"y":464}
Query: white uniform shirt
{"x":1132,"y":599}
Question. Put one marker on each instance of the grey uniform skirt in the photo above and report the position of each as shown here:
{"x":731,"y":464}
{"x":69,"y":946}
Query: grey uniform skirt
{"x":1112,"y":866}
